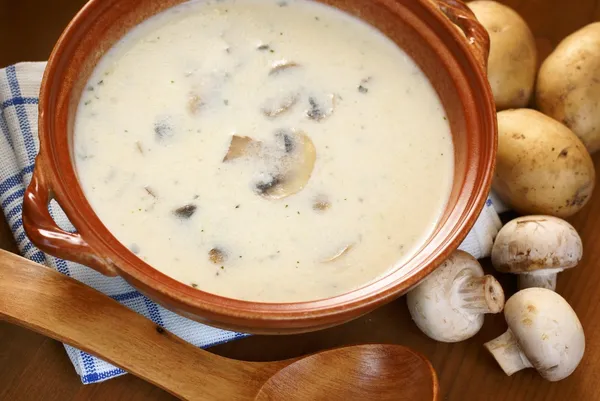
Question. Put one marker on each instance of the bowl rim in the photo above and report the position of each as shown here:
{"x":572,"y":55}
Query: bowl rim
{"x":256,"y":314}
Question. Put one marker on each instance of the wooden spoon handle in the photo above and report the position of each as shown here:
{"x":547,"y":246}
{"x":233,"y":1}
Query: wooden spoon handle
{"x":57,"y":306}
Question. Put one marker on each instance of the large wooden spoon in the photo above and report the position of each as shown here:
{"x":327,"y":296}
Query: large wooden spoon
{"x":57,"y":306}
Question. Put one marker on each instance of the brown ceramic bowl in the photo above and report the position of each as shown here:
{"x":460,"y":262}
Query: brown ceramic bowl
{"x":453,"y":60}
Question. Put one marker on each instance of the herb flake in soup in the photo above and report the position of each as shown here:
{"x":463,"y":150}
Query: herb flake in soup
{"x":264,"y":153}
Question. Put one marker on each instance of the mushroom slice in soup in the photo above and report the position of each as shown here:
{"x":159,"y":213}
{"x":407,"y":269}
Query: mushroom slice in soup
{"x":263,"y":185}
{"x":282,"y":65}
{"x":340,"y":252}
{"x":186,"y":211}
{"x":194,"y":103}
{"x":242,"y":146}
{"x":295,"y":166}
{"x":290,"y":161}
{"x":285,"y":141}
{"x":275,"y":107}
{"x":317,"y":111}
{"x":217,"y":255}
{"x":321,"y":203}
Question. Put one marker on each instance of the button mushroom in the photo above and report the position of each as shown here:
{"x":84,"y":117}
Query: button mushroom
{"x":449,"y":305}
{"x":536,"y":248}
{"x":543,"y":332}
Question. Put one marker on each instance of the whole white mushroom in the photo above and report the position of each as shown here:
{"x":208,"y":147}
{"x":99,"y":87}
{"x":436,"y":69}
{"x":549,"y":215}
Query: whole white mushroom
{"x":536,"y":248}
{"x":543,"y":333}
{"x":449,"y":305}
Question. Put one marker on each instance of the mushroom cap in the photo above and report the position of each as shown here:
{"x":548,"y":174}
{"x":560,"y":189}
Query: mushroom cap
{"x":433,"y":306}
{"x":547,"y":331}
{"x":533,"y":243}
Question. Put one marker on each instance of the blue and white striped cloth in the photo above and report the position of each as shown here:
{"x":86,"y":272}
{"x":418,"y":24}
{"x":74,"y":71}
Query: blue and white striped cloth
{"x":19,"y":87}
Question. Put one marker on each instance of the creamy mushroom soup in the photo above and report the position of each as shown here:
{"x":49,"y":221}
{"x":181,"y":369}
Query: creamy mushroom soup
{"x":271,"y":151}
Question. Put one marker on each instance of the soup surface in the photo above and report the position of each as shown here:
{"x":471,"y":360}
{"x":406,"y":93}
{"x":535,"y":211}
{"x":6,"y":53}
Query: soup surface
{"x":264,"y":150}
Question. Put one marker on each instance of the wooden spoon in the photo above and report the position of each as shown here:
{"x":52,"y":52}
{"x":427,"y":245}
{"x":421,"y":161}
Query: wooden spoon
{"x":57,"y":306}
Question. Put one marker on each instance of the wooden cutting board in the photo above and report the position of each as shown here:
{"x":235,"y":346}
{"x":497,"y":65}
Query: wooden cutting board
{"x":32,"y":367}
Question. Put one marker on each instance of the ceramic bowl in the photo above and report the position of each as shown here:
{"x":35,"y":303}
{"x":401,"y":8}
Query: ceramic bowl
{"x":443,"y":37}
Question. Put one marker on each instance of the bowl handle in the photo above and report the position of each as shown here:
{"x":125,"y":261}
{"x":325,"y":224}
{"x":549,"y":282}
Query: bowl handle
{"x":462,"y":16}
{"x":43,"y":231}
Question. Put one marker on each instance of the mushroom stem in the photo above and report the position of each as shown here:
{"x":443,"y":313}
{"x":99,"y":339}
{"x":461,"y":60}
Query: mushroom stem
{"x":542,"y":279}
{"x":507,"y":353}
{"x":480,"y":294}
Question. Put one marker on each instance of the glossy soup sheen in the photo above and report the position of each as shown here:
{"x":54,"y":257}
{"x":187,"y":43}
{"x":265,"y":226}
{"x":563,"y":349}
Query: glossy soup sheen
{"x":264,"y":150}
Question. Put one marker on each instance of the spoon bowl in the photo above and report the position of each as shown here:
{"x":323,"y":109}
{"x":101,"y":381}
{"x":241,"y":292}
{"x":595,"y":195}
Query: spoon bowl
{"x":361,"y":372}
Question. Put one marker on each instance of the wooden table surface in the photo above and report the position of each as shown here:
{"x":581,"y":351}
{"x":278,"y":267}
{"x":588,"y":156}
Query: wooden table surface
{"x":33,"y":367}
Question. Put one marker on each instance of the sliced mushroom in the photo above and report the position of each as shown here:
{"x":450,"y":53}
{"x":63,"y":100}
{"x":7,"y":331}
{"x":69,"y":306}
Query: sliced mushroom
{"x":317,"y":112}
{"x":217,"y":256}
{"x":321,"y":203}
{"x":294,"y":167}
{"x":264,"y":185}
{"x":290,"y":162}
{"x":242,"y":146}
{"x":341,"y":252}
{"x":282,"y":65}
{"x":194,"y":103}
{"x":275,"y":107}
{"x":185,"y":212}
{"x":285,"y":141}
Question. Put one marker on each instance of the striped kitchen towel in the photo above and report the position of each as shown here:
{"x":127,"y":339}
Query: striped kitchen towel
{"x":19,"y":87}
